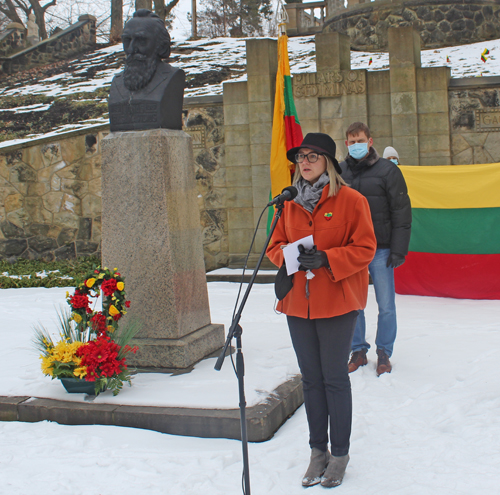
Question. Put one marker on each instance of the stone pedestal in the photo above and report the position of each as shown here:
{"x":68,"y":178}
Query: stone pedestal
{"x":151,"y":232}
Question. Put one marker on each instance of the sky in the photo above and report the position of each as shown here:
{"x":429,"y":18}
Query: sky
{"x":430,"y":427}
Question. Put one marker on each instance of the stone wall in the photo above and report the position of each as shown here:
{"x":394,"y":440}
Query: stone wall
{"x":439,"y":22}
{"x":78,"y":38}
{"x":475,"y":120}
{"x":12,"y":39}
{"x":50,"y":191}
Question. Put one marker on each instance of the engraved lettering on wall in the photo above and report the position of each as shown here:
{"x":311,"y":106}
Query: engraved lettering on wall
{"x":329,"y":83}
{"x":488,"y":120}
{"x":197,"y":133}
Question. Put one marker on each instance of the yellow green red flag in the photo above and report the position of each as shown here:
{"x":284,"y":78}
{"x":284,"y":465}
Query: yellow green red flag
{"x":455,"y":240}
{"x":287,"y":132}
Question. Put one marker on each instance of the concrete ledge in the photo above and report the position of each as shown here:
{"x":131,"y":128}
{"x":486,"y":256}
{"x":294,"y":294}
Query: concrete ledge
{"x":263,"y":419}
{"x":9,"y":407}
{"x":474,"y":82}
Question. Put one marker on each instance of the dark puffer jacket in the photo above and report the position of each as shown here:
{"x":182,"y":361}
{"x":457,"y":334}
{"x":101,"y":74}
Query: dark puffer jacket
{"x":384,"y":186}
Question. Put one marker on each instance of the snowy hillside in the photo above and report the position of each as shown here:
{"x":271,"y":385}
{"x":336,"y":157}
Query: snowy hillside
{"x":72,"y":95}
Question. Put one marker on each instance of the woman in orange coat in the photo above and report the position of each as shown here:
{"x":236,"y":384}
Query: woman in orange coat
{"x":322,"y":311}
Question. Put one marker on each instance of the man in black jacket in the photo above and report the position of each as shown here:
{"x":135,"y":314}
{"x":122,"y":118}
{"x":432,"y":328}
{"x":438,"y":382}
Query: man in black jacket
{"x":383,"y":185}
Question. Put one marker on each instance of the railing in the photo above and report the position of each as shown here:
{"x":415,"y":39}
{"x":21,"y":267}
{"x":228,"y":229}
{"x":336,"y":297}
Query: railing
{"x":305,"y":18}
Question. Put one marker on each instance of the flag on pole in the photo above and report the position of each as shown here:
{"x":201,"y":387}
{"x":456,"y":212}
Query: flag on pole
{"x":483,"y":55}
{"x":287,"y":132}
{"x":370,"y":61}
{"x":455,"y":240}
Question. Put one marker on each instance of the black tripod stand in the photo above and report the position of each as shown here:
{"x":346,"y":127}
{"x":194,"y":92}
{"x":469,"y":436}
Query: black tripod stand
{"x":235,"y":331}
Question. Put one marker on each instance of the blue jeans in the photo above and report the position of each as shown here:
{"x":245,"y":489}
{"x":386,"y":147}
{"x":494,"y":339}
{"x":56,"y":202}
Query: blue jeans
{"x":385,"y":294}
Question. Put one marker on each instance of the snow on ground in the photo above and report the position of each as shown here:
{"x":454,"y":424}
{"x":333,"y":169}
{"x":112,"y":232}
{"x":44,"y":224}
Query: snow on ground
{"x":430,"y":427}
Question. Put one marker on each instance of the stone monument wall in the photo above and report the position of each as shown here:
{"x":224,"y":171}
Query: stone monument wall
{"x":50,"y":191}
{"x":12,"y":39}
{"x":475,"y":120}
{"x":77,"y":38}
{"x":439,"y":22}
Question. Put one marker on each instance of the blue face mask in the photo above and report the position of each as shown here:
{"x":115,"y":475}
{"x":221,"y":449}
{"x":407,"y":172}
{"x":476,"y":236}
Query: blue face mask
{"x":358,"y":150}
{"x":395,"y":161}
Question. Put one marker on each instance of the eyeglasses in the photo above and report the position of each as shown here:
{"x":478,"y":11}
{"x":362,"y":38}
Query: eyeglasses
{"x":311,"y":157}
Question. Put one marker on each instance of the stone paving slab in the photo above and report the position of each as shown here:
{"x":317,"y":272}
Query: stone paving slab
{"x":263,"y":419}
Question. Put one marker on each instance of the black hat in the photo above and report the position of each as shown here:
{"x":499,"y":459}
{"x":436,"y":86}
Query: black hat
{"x":317,"y":141}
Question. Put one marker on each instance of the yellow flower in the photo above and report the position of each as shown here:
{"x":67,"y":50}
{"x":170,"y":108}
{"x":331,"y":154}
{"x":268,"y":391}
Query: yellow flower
{"x":115,"y":269}
{"x":80,"y":372}
{"x":67,"y":294}
{"x":101,"y":276}
{"x":77,"y":317}
{"x":110,"y":328}
{"x":113,"y":311}
{"x":47,"y":363}
{"x":120,"y":286}
{"x":90,"y":282}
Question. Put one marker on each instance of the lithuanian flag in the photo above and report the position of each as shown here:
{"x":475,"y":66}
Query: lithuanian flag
{"x":455,"y":239}
{"x":286,"y":126}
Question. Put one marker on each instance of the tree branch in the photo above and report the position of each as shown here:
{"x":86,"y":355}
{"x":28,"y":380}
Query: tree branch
{"x":45,"y":7}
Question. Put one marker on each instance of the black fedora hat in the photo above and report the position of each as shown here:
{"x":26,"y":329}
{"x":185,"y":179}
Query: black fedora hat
{"x":317,"y":141}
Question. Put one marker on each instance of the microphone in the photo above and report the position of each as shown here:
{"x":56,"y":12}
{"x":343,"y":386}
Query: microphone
{"x":286,"y":195}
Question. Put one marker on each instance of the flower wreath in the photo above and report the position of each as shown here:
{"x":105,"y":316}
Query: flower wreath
{"x":114,"y":302}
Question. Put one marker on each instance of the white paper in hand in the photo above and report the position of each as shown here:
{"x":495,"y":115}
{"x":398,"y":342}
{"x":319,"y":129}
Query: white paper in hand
{"x":291,"y":253}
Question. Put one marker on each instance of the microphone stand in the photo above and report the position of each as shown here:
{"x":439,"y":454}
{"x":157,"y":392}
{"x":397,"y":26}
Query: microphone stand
{"x":235,"y":331}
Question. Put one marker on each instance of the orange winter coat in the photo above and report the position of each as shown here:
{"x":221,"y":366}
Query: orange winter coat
{"x":349,"y":241}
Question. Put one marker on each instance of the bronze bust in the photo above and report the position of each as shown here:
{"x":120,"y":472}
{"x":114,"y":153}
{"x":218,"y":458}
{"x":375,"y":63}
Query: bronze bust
{"x":148,"y":93}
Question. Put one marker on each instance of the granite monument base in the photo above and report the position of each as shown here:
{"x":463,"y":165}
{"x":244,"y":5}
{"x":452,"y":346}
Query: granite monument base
{"x":151,"y":232}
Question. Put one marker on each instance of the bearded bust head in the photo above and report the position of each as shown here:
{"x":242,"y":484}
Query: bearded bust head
{"x":148,"y":94}
{"x":145,"y":41}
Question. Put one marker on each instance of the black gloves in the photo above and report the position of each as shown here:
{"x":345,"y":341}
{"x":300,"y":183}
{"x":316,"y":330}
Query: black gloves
{"x":311,"y":259}
{"x":394,"y":260}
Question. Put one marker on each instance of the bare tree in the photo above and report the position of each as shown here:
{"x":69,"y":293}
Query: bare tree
{"x":10,"y":8}
{"x":234,"y":18}
{"x":115,"y":34}
{"x":143,"y":4}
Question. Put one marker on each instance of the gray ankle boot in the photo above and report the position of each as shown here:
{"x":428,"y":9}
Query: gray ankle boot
{"x":335,"y":471}
{"x":317,"y":466}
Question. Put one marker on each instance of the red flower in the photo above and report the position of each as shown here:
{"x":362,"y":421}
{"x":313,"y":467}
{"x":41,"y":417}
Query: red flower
{"x":127,"y":304}
{"x":117,"y":274}
{"x":108,"y":286}
{"x":96,"y":271}
{"x":98,"y":323}
{"x":79,"y":301}
{"x":100,"y":356}
{"x":117,"y":317}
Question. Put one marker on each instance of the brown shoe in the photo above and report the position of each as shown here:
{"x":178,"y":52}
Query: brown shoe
{"x":383,"y":364}
{"x":358,"y":358}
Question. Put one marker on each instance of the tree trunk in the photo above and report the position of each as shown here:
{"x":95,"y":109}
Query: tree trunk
{"x":40,"y":20}
{"x":115,"y":34}
{"x":39,"y":12}
{"x":160,"y":10}
{"x":194,"y":28}
{"x":143,"y":4}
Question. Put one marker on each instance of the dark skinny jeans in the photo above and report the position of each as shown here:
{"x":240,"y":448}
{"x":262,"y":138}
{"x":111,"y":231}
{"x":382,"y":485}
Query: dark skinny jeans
{"x":322,"y":347}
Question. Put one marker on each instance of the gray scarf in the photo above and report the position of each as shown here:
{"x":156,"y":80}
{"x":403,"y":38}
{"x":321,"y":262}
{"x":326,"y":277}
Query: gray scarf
{"x":309,"y":195}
